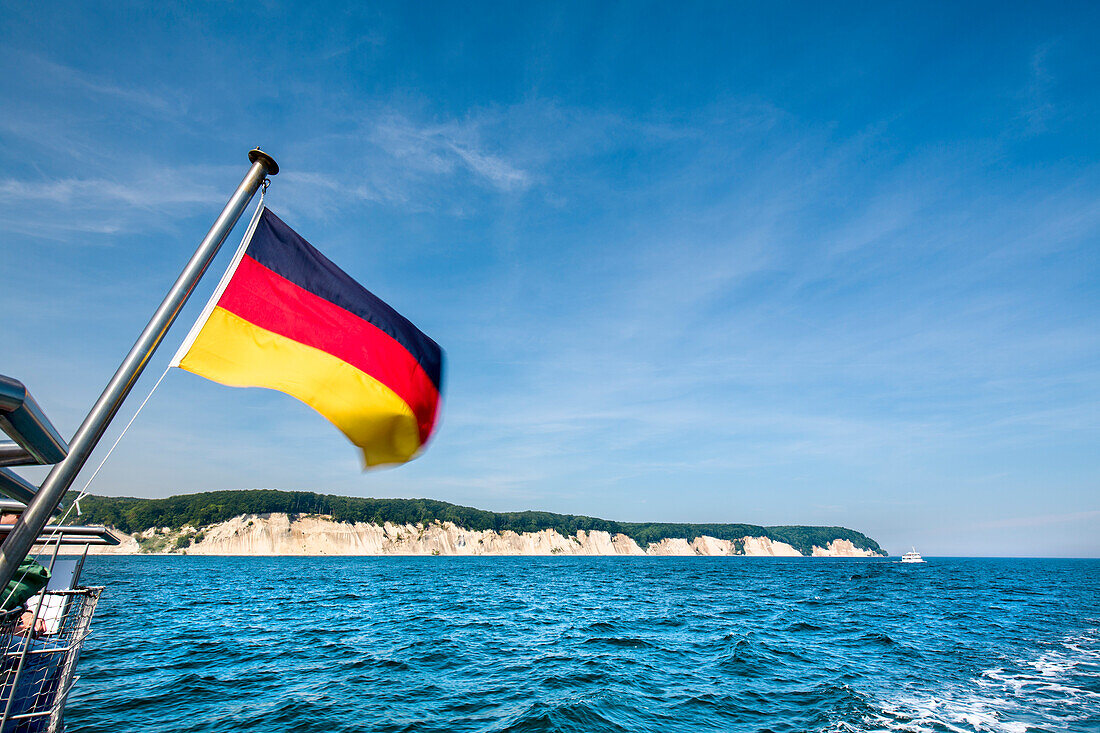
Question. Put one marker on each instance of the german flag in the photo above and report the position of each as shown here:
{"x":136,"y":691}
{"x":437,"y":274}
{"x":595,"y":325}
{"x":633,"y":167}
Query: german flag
{"x":284,"y":317}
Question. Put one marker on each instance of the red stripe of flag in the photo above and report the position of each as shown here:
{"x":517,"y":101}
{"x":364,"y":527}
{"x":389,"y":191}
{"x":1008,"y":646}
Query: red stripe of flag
{"x":270,"y":301}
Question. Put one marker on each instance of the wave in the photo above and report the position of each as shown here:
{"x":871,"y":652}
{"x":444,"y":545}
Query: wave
{"x":507,"y":646}
{"x":1053,"y":691}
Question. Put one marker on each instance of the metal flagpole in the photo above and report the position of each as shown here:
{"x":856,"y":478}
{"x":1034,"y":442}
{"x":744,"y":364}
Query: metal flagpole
{"x":22,"y":537}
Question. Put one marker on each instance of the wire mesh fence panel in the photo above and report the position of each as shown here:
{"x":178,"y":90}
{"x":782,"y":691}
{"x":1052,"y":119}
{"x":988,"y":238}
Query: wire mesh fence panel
{"x":40,"y":645}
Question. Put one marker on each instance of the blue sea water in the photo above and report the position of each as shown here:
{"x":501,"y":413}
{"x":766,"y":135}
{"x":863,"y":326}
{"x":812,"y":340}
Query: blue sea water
{"x":590,"y":644}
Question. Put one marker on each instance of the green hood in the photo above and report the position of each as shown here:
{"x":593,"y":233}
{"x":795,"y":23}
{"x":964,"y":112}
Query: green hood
{"x":29,"y":579}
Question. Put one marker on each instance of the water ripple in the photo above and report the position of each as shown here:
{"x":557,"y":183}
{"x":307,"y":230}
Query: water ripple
{"x":590,"y":644}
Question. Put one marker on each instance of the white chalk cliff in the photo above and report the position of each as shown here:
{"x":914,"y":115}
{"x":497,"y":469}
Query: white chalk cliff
{"x":278,"y":534}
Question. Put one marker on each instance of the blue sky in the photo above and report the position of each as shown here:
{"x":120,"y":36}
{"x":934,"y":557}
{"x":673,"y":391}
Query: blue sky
{"x":808,"y":263}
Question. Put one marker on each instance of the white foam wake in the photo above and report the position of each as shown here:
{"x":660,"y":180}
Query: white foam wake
{"x":1050,"y":692}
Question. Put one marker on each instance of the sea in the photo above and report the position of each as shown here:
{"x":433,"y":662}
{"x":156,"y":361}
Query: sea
{"x":590,"y":644}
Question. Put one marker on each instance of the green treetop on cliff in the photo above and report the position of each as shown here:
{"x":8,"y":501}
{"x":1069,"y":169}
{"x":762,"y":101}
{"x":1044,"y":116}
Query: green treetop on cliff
{"x":200,"y":510}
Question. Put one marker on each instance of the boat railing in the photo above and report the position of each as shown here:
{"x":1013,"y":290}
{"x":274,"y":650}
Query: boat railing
{"x":39,"y":648}
{"x":37,"y":664}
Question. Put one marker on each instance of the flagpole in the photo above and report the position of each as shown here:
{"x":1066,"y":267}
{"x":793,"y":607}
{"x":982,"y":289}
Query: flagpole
{"x":22,"y":537}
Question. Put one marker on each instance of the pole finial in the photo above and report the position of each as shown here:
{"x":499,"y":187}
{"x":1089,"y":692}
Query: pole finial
{"x":267,"y":160}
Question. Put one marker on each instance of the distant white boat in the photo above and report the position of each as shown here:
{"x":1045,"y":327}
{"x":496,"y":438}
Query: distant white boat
{"x":913,"y":556}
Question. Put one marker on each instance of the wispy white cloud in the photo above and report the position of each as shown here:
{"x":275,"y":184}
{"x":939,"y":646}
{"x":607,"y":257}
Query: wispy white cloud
{"x":44,"y":71}
{"x":443,"y":148}
{"x":59,"y":111}
{"x":1038,"y":109}
{"x":52,"y":208}
{"x":1039,"y":520}
{"x":159,"y":189}
{"x":372,"y":39}
{"x":493,"y":168}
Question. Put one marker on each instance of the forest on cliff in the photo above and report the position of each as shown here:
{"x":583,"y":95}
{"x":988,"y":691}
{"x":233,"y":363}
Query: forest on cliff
{"x":199,"y":510}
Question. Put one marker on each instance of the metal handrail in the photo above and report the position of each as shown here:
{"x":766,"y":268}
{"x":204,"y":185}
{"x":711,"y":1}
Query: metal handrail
{"x":36,"y":439}
{"x":71,"y":531}
{"x":16,"y":487}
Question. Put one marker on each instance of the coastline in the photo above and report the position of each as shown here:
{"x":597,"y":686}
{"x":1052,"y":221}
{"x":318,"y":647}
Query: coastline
{"x":278,"y":534}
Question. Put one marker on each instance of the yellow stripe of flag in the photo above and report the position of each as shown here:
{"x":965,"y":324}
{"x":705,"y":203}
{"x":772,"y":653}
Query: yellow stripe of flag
{"x":234,"y":352}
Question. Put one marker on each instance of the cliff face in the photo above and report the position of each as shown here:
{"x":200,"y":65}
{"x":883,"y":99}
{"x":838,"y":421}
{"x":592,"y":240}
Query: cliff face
{"x":277,"y":534}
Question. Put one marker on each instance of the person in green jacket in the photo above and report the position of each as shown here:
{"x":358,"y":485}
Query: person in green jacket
{"x":29,"y":579}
